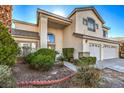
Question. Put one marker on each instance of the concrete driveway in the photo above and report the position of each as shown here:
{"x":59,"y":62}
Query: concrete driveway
{"x":114,"y":64}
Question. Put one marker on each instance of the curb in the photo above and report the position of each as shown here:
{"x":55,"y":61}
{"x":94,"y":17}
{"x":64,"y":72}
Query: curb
{"x":27,"y":83}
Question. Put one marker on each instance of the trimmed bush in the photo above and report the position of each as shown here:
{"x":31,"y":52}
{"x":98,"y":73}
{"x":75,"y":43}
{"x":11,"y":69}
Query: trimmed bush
{"x":86,"y":61}
{"x":6,"y":79}
{"x":88,"y":76}
{"x":43,"y":59}
{"x":68,"y":53}
{"x":8,"y":47}
{"x":29,"y":57}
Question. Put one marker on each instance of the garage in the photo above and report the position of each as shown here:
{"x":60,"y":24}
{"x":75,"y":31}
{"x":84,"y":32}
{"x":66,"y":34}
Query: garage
{"x":95,"y":50}
{"x":104,"y":52}
{"x":109,"y":52}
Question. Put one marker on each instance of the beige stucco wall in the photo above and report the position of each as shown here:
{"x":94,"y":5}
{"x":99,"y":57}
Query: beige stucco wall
{"x":82,"y":29}
{"x":70,"y":41}
{"x":58,"y":33}
{"x":27,"y":27}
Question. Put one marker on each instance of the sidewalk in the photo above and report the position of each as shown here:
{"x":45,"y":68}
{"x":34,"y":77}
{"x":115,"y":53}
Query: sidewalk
{"x":71,"y":66}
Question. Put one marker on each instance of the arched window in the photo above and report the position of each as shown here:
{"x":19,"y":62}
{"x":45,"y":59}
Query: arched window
{"x":91,"y":24}
{"x":51,"y":41}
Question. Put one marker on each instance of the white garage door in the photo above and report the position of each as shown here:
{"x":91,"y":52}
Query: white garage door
{"x":109,"y":52}
{"x":95,"y":50}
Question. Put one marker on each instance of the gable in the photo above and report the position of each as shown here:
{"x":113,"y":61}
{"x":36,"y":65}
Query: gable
{"x":87,"y":9}
{"x":89,"y":14}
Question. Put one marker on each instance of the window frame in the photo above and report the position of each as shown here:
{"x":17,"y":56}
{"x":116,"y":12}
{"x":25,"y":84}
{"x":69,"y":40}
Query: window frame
{"x":91,"y":24}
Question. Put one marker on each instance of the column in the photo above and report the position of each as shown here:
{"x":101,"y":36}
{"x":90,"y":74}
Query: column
{"x":43,"y":27}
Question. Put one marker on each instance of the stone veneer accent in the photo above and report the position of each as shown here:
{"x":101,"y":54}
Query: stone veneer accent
{"x":6,"y":15}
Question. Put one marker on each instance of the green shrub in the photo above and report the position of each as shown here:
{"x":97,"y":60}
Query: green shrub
{"x":6,"y":79}
{"x":8,"y":47}
{"x":68,"y":53}
{"x":43,"y":59}
{"x":88,"y":76}
{"x":29,"y":57}
{"x":75,"y":61}
{"x":42,"y":62}
{"x":85,"y":61}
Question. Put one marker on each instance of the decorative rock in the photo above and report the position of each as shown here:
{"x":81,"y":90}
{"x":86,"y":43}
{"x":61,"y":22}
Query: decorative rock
{"x":54,"y":72}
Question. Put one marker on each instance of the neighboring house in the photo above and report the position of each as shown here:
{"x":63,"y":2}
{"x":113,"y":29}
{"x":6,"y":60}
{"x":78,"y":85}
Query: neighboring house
{"x":83,"y":30}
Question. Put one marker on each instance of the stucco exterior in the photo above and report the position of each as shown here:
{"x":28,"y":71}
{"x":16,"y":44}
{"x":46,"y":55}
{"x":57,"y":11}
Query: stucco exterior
{"x":70,"y":41}
{"x":82,"y":29}
{"x":58,"y":38}
{"x":64,"y":30}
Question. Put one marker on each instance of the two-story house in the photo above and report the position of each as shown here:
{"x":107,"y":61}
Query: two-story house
{"x":84,"y":30}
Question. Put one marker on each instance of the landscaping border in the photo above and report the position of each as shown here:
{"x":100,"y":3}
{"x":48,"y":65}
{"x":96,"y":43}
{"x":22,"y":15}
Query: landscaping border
{"x":27,"y":83}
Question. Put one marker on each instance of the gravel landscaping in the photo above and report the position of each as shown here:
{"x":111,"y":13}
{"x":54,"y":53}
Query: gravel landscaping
{"x":22,"y":72}
{"x":112,"y":79}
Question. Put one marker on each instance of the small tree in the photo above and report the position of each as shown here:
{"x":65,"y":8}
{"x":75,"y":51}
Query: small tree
{"x":8,"y":47}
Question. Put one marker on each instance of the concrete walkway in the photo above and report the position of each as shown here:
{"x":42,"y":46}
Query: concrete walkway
{"x":114,"y":64}
{"x":71,"y":66}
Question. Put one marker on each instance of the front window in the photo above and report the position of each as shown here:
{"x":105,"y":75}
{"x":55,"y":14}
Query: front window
{"x":91,"y":24}
{"x":51,"y":41}
{"x":27,"y":48}
{"x":51,"y":38}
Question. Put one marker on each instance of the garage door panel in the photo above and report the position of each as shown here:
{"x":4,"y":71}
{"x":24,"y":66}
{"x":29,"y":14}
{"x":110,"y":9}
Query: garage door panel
{"x":95,"y":50}
{"x":109,"y":52}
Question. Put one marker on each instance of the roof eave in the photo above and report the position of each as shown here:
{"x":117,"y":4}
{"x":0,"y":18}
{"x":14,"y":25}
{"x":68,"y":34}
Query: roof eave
{"x":108,"y":28}
{"x":52,"y":14}
{"x":23,"y":22}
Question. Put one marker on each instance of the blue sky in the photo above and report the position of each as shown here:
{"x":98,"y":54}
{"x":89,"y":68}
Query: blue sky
{"x":113,"y":15}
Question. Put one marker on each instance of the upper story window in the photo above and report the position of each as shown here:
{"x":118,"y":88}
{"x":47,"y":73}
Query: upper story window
{"x":91,"y":24}
{"x":105,"y":33}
